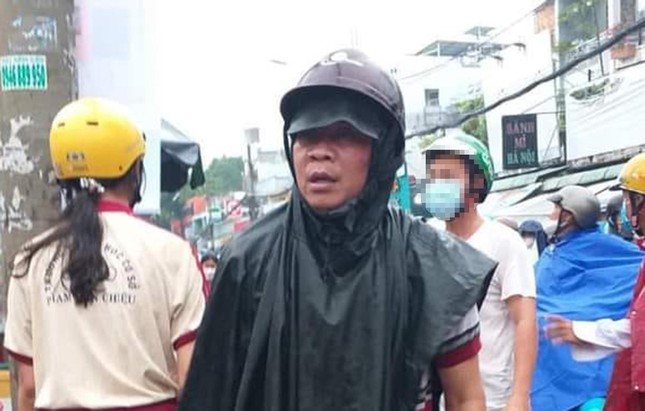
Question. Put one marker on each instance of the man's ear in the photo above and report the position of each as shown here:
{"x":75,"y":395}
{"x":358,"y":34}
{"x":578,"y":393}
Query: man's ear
{"x":478,"y":185}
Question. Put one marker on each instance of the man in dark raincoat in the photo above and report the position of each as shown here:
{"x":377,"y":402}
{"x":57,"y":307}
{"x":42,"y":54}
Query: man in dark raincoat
{"x":335,"y":302}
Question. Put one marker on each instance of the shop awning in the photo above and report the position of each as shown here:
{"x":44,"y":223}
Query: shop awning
{"x":503,"y":199}
{"x":539,"y":208}
{"x":523,"y":180}
{"x":583,"y":178}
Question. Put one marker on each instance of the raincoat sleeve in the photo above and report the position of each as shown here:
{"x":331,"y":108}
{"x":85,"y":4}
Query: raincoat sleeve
{"x":452,"y":278}
{"x":222,"y":341}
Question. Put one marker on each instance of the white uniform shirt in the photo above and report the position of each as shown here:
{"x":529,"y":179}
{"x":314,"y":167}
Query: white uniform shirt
{"x":119,"y":351}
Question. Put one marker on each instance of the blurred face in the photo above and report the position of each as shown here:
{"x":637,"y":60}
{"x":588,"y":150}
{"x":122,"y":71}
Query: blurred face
{"x":555,"y":214}
{"x":209,"y":266}
{"x":454,"y":168}
{"x":635,"y":202}
{"x":567,"y":221}
{"x":529,"y":239}
{"x":331,"y":165}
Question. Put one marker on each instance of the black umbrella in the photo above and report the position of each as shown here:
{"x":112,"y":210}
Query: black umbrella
{"x":179,"y":155}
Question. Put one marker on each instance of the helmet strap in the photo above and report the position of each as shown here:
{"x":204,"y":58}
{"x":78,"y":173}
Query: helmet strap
{"x":560,"y":227}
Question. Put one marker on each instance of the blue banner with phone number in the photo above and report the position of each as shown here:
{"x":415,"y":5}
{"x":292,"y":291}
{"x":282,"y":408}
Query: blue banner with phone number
{"x":588,"y":275}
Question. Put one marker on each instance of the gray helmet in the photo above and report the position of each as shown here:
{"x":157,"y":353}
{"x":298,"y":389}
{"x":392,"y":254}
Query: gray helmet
{"x":579,"y":201}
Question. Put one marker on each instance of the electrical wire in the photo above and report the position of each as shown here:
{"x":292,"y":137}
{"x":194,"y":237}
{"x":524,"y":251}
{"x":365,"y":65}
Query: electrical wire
{"x":606,"y":45}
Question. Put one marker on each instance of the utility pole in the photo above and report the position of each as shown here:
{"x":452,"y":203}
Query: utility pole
{"x":252,"y":136}
{"x":253,"y":206}
{"x":37,"y":78}
{"x":593,"y":4}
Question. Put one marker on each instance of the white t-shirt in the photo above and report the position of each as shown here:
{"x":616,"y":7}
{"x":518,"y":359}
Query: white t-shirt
{"x":514,"y":277}
{"x":534,"y":254}
{"x":119,"y":351}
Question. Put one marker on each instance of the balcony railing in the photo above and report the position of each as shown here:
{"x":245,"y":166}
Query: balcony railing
{"x":432,"y":116}
{"x":626,"y":50}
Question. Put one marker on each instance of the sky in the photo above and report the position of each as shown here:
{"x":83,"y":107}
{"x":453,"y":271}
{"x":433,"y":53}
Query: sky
{"x":223,"y":66}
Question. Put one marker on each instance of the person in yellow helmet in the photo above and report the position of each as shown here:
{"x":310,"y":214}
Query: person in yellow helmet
{"x":103,"y":308}
{"x":596,"y":339}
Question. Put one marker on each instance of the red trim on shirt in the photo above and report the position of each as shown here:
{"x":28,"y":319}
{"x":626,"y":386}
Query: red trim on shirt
{"x":169,"y":405}
{"x":425,"y":406}
{"x":107,"y":206}
{"x":185,"y":339}
{"x":460,"y":354}
{"x":206,"y":286}
{"x":20,"y":358}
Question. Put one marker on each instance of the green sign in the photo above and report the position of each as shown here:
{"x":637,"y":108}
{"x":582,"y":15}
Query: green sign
{"x":24,"y":72}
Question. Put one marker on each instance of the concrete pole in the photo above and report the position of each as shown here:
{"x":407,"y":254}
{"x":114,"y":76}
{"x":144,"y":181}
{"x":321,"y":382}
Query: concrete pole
{"x":37,"y":78}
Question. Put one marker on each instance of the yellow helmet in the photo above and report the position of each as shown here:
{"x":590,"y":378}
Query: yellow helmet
{"x":94,"y":138}
{"x":632,"y":178}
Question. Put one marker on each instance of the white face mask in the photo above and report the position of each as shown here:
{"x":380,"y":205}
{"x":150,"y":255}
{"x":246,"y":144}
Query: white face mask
{"x":209,"y":273}
{"x":529,"y":241}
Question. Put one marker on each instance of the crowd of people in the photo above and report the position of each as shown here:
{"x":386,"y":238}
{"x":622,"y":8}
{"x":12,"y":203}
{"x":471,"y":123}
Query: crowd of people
{"x":334,"y":301}
{"x":585,"y":271}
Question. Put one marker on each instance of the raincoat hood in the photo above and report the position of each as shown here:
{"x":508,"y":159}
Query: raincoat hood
{"x":347,"y":85}
{"x":347,"y":232}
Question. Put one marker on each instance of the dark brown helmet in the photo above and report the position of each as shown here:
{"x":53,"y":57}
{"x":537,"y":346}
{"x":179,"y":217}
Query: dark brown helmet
{"x":349,"y":70}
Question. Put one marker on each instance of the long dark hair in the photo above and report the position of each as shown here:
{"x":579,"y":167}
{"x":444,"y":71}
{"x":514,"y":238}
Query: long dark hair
{"x":79,"y":233}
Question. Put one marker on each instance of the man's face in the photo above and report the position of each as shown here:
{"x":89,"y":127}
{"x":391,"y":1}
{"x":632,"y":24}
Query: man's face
{"x":565,"y":218}
{"x":455,"y":168}
{"x":555,"y":214}
{"x":331,"y":165}
{"x":639,"y":221}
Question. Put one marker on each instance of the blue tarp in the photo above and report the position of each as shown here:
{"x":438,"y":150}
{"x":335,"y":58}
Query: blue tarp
{"x":587,"y":275}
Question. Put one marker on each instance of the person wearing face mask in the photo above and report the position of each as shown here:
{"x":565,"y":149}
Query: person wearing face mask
{"x":617,"y":222}
{"x":534,"y":237}
{"x":460,"y":176}
{"x":625,"y":336}
{"x":334,"y":301}
{"x":209,"y":263}
{"x":584,"y":275}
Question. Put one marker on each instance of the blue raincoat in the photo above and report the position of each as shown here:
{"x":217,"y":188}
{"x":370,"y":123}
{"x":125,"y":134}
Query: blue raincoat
{"x":587,"y":275}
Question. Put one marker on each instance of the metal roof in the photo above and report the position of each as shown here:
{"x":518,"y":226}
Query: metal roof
{"x":522,"y":180}
{"x":583,"y":178}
